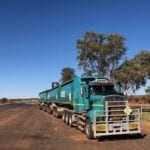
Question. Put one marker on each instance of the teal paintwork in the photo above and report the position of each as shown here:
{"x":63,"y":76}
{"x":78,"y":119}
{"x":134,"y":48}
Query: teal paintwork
{"x":78,"y":100}
{"x":53,"y":95}
{"x":97,"y":105}
{"x":43,"y":97}
{"x":76,"y":93}
{"x":66,"y":93}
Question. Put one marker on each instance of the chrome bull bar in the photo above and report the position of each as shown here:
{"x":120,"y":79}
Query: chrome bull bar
{"x":117,"y":119}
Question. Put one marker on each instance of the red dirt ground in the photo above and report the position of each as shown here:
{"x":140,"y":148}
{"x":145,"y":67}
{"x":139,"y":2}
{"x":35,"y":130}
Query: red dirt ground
{"x":24,"y":127}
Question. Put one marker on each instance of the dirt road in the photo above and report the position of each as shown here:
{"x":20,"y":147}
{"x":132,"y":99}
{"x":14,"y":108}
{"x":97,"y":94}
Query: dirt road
{"x":24,"y":127}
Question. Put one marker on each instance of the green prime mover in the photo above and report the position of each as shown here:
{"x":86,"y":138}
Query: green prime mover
{"x":92,"y":104}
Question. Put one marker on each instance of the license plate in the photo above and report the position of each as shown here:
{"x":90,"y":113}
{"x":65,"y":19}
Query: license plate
{"x":116,"y":124}
{"x":133,"y":125}
{"x":101,"y":127}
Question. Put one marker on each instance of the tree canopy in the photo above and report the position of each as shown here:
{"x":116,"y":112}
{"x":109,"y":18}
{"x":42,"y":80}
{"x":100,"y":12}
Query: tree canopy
{"x":105,"y":55}
{"x":99,"y":53}
{"x":134,"y":72}
{"x":67,"y":73}
{"x":147,"y":90}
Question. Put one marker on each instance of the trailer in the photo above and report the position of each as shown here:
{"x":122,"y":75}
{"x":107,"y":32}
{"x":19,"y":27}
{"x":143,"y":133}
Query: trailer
{"x":92,"y":104}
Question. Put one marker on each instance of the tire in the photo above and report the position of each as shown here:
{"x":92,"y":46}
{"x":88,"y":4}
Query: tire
{"x":50,"y":111}
{"x":40,"y":108}
{"x":64,"y":117}
{"x":53,"y":112}
{"x":70,"y":120}
{"x":56,"y":114}
{"x":88,"y":129}
{"x":67,"y":118}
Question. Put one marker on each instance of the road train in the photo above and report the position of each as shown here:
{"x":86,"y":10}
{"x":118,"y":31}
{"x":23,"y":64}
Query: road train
{"x":93,"y":104}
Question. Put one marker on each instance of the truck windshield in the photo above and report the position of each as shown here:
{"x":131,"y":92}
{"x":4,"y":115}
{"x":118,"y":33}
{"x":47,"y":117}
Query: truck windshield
{"x":102,"y":89}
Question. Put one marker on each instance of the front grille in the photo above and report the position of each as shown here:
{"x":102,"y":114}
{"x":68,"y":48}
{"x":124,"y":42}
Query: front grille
{"x":116,"y":120}
{"x":116,"y":110}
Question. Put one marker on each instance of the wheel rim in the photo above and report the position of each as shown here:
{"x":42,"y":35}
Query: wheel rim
{"x":67,"y":118}
{"x":87,"y":129}
{"x":63,"y":116}
{"x":70,"y":120}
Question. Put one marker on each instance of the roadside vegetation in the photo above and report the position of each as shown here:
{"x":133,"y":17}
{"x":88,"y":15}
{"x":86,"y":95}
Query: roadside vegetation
{"x":139,"y":99}
{"x":146,"y":117}
{"x":3,"y":100}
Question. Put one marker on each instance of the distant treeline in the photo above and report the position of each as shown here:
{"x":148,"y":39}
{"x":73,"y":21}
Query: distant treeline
{"x":143,"y":99}
{"x":4,"y":99}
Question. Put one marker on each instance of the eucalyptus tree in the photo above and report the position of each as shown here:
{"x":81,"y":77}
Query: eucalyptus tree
{"x":116,"y":51}
{"x":98,"y":53}
{"x":134,"y":72}
{"x":67,"y":73}
{"x":147,"y":90}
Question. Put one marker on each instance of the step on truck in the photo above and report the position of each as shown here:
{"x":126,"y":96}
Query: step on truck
{"x":92,"y":104}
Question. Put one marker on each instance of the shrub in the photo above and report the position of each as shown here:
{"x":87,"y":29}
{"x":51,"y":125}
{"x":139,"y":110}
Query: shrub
{"x":4,"y":100}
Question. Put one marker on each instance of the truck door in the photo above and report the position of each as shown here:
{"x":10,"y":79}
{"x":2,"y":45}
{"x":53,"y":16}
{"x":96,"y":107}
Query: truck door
{"x":85,"y":96}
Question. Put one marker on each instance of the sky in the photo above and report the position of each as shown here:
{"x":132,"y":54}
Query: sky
{"x":38,"y":37}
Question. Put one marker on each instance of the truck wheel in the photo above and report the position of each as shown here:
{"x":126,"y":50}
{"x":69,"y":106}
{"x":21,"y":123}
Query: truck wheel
{"x":56,"y":114}
{"x":70,"y":120}
{"x":40,"y":108}
{"x":88,"y":129}
{"x":67,"y":118}
{"x":50,"y":110}
{"x":64,"y":116}
{"x":53,"y":112}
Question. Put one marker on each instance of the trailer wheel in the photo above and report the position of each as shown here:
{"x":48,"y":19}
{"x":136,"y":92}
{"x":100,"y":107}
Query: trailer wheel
{"x":50,"y":110}
{"x":39,"y":106}
{"x":64,"y":116}
{"x":56,"y":114}
{"x":70,"y":120}
{"x":67,"y":118}
{"x":53,"y":112}
{"x":88,"y":129}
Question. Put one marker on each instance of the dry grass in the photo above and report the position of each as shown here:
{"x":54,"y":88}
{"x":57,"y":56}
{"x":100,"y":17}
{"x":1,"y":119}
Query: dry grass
{"x":146,"y":117}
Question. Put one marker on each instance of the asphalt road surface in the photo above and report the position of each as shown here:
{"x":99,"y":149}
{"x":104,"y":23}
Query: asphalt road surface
{"x":24,"y":127}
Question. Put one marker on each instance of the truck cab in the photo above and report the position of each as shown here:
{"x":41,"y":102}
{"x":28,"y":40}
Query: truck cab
{"x":108,"y":111}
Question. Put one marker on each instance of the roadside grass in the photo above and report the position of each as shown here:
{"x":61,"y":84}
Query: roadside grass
{"x":145,"y":117}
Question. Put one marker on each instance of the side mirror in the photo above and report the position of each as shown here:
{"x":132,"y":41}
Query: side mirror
{"x":84,"y":92}
{"x":87,"y":92}
{"x":119,"y":88}
{"x":81,"y":91}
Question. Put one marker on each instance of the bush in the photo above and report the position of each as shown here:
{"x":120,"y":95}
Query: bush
{"x":3,"y":100}
{"x":142,"y":99}
{"x":147,"y":99}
